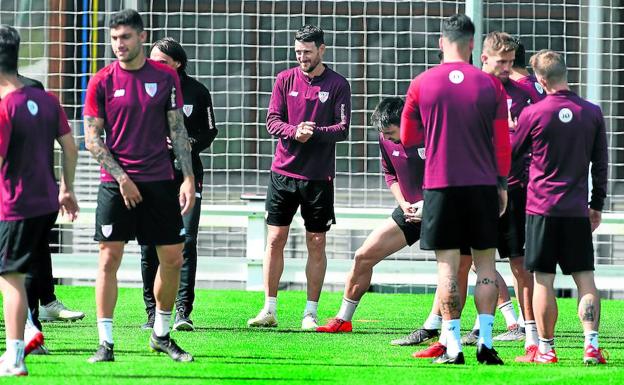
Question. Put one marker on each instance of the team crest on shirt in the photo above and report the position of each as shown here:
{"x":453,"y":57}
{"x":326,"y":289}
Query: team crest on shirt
{"x":323,"y":95}
{"x":187,"y":109}
{"x":421,"y":153}
{"x":456,"y":76}
{"x":539,"y":88}
{"x":565,"y":115}
{"x":151,"y":88}
{"x":33,"y":108}
{"x":107,"y":230}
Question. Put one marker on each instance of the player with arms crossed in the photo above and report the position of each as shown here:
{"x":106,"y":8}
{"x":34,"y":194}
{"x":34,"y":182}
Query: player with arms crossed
{"x":309,"y":112}
{"x":559,"y":223}
{"x":138,"y":103}
{"x":30,"y":121}
{"x":461,"y":115}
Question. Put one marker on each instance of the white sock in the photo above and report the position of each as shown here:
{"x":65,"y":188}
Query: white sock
{"x":270,"y":305}
{"x":162,"y":319}
{"x":442,"y":338}
{"x":476,"y":324}
{"x":30,"y":330}
{"x":14,"y":352}
{"x":486,"y":323}
{"x":509,"y":313}
{"x":591,"y":338}
{"x":453,"y":338}
{"x":310,"y":308}
{"x":521,"y":321}
{"x":347,"y":309}
{"x":433,"y":322}
{"x":546,"y":345}
{"x":531,"y":334}
{"x":105,"y":330}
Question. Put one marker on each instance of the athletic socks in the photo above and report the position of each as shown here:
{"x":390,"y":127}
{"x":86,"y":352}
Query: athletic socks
{"x":310,"y":308}
{"x":452,"y":336}
{"x":14,"y":352}
{"x":270,"y":305}
{"x":521,"y":321}
{"x":531,"y":333}
{"x":509,"y":313}
{"x":105,"y":330}
{"x":347,"y":309}
{"x":591,"y":338}
{"x":162,"y":319}
{"x":476,"y":324}
{"x":546,"y":345}
{"x":29,"y":328}
{"x":433,"y":322}
{"x":486,"y":323}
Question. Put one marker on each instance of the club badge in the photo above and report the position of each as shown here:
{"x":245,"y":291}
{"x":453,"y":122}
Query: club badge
{"x":151,"y":89}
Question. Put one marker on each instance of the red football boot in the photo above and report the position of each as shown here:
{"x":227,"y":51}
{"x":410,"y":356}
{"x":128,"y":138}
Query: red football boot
{"x":546,"y":358}
{"x":433,"y":351}
{"x":594,"y":356}
{"x":336,"y":325}
{"x":529,"y":354}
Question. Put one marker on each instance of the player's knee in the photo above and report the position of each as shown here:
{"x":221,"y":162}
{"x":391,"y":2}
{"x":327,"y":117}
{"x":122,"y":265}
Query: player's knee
{"x":315,"y":241}
{"x":362,"y":259}
{"x":277,"y":240}
{"x":172,"y":261}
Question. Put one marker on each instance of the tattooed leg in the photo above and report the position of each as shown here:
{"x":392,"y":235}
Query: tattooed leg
{"x":589,"y":300}
{"x":486,"y":289}
{"x":448,"y":286}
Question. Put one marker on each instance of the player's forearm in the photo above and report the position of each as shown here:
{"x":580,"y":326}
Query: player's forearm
{"x":277,"y":127}
{"x":334,"y":133}
{"x":180,"y":142}
{"x":70,"y":160}
{"x":97,"y":148}
{"x":395,"y":189}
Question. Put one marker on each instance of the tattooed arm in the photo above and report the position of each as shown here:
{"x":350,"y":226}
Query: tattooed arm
{"x":182,"y":150}
{"x":94,"y":127}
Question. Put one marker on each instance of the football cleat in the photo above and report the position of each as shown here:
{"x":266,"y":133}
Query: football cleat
{"x":433,"y":351}
{"x":263,"y":320}
{"x":416,"y":337}
{"x":549,"y":357}
{"x":529,"y":354}
{"x":149,"y":324}
{"x":594,"y":356}
{"x":488,"y":356}
{"x":183,"y":322}
{"x":309,"y":322}
{"x":8,"y":370}
{"x":446,"y":359}
{"x":167,"y":345}
{"x":471,"y":338}
{"x":336,"y":325}
{"x":103,"y":354}
{"x":513,"y":333}
{"x":56,"y":311}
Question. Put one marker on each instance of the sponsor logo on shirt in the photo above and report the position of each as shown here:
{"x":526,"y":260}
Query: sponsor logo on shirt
{"x":343,"y":116}
{"x":421,"y":152}
{"x":539,"y":88}
{"x":107,"y":230}
{"x":210,"y":122}
{"x":33,"y":108}
{"x":565,"y":115}
{"x":395,"y":153}
{"x":188,"y":109}
{"x":151,"y":89}
{"x":456,"y":76}
{"x":173,"y":97}
{"x":323,"y":95}
{"x":119,"y":93}
{"x":293,"y":93}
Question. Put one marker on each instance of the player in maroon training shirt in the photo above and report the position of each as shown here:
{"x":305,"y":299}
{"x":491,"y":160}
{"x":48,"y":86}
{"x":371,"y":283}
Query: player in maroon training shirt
{"x":138,"y":103}
{"x":461,"y":115}
{"x":31,"y":120}
{"x":564,"y":133}
{"x":520,"y":74}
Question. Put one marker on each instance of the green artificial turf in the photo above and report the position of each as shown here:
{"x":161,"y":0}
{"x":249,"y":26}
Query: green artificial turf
{"x":227,"y":352}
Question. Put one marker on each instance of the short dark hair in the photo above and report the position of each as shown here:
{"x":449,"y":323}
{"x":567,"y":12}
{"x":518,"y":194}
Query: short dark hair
{"x":309,"y":33}
{"x":170,"y":47}
{"x":9,"y":49}
{"x":458,"y":28}
{"x":520,"y":60}
{"x":387,"y":113}
{"x":128,"y":17}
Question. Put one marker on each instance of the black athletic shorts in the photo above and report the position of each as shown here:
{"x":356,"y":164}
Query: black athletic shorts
{"x":456,"y":217}
{"x":411,"y":230}
{"x":154,"y":221}
{"x":20,"y":239}
{"x":566,"y":241}
{"x":511,"y":226}
{"x":286,"y":194}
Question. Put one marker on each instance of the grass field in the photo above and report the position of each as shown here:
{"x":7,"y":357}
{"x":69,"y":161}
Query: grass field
{"x":227,"y":352}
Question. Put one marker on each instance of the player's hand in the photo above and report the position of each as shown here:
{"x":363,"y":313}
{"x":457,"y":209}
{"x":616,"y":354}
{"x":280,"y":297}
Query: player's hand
{"x":513,"y":123}
{"x":415,"y":212}
{"x":130,"y":192}
{"x":304,"y":131}
{"x":595,"y":217}
{"x":502,"y":201}
{"x":68,"y":205}
{"x":187,"y":194}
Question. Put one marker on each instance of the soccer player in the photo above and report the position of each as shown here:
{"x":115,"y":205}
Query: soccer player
{"x":138,"y":103}
{"x":309,"y":112}
{"x":460,"y":112}
{"x":520,"y":74}
{"x":30,"y":121}
{"x":497,"y":59}
{"x":559,"y":223}
{"x":200,"y":124}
